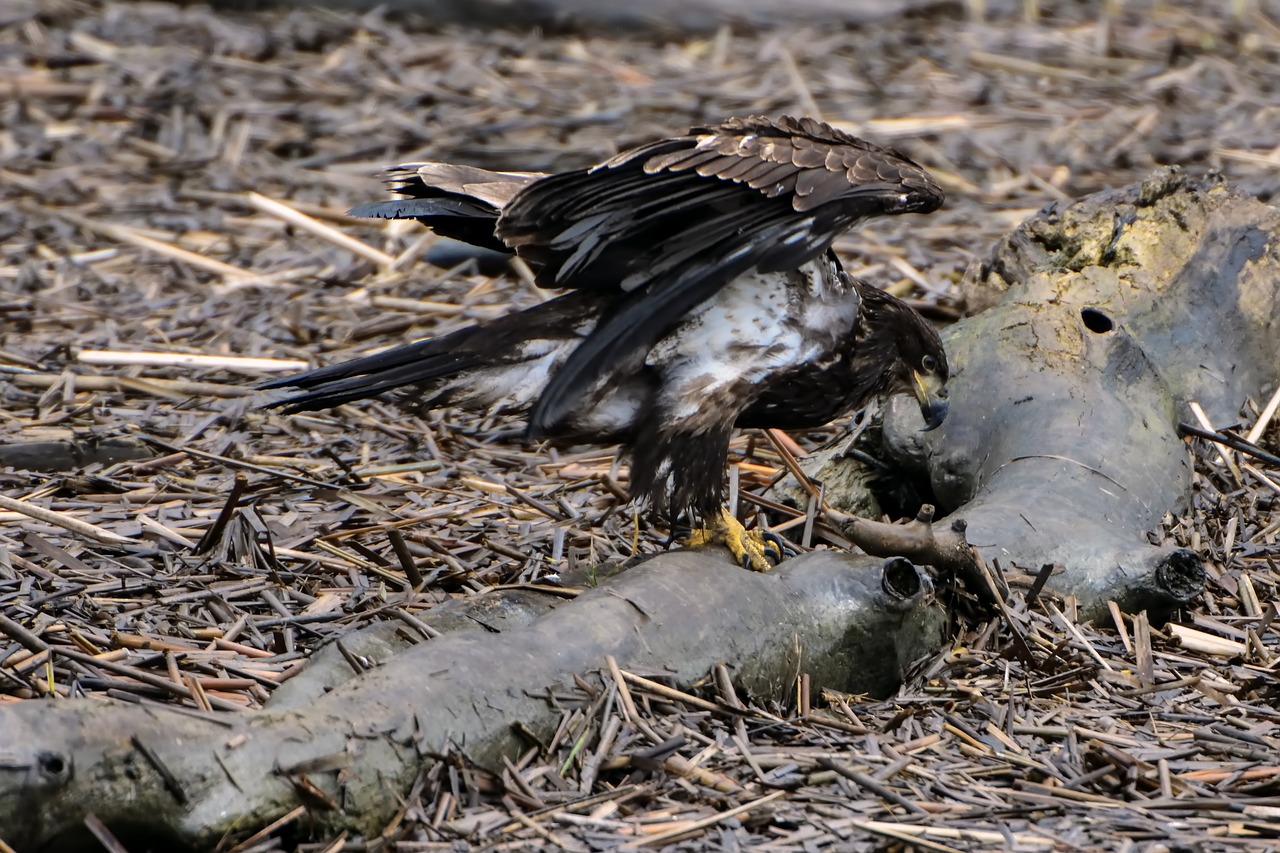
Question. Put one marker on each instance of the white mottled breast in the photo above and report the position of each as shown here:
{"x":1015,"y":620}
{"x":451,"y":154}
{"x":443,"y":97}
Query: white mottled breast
{"x":758,"y":325}
{"x":515,"y":385}
{"x":507,"y":387}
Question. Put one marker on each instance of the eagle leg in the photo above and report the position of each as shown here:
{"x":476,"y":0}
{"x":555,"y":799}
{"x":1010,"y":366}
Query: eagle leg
{"x":758,"y":550}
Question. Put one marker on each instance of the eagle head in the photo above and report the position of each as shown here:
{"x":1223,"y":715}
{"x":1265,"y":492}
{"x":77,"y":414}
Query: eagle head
{"x":923,"y":368}
{"x":910,"y":353}
{"x":929,"y":382}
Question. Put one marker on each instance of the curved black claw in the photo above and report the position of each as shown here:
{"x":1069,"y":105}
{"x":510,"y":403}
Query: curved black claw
{"x":776,"y":548}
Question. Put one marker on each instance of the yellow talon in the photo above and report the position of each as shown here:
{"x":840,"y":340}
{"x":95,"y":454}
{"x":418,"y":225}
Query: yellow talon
{"x":751,"y":548}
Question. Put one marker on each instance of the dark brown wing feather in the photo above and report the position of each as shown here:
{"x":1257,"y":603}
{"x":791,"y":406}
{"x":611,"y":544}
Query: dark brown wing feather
{"x":674,"y":221}
{"x":597,"y":227}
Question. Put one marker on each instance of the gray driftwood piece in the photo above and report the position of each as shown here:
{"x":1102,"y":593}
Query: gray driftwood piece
{"x":1108,"y":316}
{"x":184,"y":780}
{"x":499,"y":611}
{"x":71,"y":453}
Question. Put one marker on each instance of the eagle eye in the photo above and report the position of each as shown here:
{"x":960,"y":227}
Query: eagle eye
{"x":929,"y":363}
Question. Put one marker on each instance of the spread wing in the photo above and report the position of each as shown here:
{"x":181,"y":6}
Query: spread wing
{"x":672,"y":222}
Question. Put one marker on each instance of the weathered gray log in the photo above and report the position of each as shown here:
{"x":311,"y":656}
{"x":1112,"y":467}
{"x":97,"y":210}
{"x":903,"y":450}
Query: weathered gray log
{"x":495,"y":612}
{"x":151,"y":773}
{"x":71,"y":453}
{"x":1109,"y":315}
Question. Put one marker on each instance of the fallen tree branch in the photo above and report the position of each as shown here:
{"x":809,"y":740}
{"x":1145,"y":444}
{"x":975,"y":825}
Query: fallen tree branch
{"x":70,"y":453}
{"x":920,"y":541}
{"x":173,"y":777}
{"x":1109,"y":318}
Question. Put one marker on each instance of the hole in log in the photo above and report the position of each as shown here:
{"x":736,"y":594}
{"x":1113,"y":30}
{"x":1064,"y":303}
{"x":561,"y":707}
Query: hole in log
{"x":1096,"y":321}
{"x":1181,"y":575}
{"x":52,"y":764}
{"x":900,"y":578}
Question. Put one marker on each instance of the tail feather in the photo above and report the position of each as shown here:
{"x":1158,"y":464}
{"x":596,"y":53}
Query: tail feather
{"x":348,"y":389}
{"x":462,"y":202}
{"x":505,"y":361}
{"x":417,"y":363}
{"x":418,"y":208}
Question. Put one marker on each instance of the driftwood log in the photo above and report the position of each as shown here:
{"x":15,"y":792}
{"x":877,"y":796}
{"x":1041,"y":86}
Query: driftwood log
{"x":1104,"y":320}
{"x":69,"y":452}
{"x":180,"y":779}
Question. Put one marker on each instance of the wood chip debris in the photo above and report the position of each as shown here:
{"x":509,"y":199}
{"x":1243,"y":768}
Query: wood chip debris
{"x":173,"y":228}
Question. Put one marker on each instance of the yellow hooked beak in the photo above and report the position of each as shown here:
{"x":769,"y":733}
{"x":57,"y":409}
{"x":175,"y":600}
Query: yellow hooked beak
{"x":931,"y":393}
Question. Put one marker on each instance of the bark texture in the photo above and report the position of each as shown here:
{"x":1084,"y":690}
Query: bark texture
{"x":70,"y":453}
{"x":1104,"y":318}
{"x":183,"y":780}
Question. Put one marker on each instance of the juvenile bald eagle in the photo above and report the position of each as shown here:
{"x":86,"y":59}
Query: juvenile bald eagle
{"x":702,"y":296}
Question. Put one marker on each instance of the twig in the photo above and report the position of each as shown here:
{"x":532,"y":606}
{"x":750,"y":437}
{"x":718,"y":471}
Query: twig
{"x":920,"y":541}
{"x":182,"y":359}
{"x":1230,"y":439}
{"x":1209,"y":644}
{"x":959,"y":834}
{"x":1264,"y":419}
{"x":266,"y":831}
{"x":17,"y":632}
{"x":629,"y":712}
{"x":99,"y":831}
{"x":236,"y":463}
{"x":781,"y":443}
{"x":862,"y":780}
{"x":696,"y":825}
{"x":214,"y":533}
{"x":319,"y":229}
{"x":1075,"y":632}
{"x":171,"y":783}
{"x":124,"y":234}
{"x":1263,"y":478}
{"x":1227,"y":461}
{"x":407,"y":562}
{"x":671,"y":693}
{"x":892,"y":830}
{"x":66,"y":522}
{"x":174,"y":389}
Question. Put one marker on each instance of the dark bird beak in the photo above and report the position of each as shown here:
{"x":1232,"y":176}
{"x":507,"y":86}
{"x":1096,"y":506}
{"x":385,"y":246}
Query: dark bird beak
{"x":932,"y":396}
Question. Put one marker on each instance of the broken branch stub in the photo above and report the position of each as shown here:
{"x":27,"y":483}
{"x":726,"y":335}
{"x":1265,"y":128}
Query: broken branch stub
{"x":1107,"y":317}
{"x":186,"y":779}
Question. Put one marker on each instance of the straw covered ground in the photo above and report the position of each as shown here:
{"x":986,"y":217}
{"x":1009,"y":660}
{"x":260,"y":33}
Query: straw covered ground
{"x":172,"y":188}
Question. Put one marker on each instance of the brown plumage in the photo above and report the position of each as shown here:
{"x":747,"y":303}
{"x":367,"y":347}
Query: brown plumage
{"x":702,"y":295}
